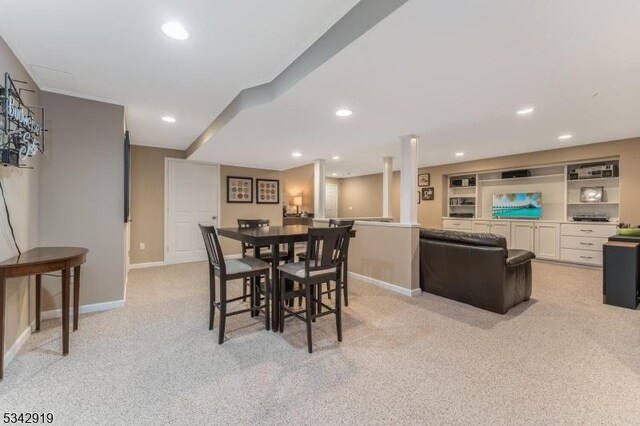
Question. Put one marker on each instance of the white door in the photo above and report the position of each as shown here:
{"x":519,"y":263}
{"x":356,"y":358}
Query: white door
{"x":503,"y":229}
{"x":522,"y":235}
{"x":191,"y":199}
{"x":331,"y":201}
{"x":547,"y":240}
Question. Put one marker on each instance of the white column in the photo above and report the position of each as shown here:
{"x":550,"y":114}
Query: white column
{"x":319,"y":189}
{"x":408,"y":179}
{"x":387,"y":181}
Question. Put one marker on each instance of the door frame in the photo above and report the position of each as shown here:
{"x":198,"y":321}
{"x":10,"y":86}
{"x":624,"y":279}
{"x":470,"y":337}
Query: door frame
{"x":165,"y":212}
{"x":337,"y":197}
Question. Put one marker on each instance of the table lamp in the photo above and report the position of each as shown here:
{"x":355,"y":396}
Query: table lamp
{"x":297,"y":201}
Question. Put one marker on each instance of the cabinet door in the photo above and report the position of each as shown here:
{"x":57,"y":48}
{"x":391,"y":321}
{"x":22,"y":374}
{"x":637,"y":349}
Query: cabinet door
{"x":547,"y":240}
{"x":480,"y":226}
{"x":503,"y":229}
{"x":522,"y":235}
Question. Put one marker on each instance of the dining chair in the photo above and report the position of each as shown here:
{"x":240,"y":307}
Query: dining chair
{"x":264,"y":252}
{"x":326,"y":248}
{"x":345,"y":271}
{"x":232,"y":269}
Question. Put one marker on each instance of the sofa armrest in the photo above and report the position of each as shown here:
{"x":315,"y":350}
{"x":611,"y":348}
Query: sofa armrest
{"x":517,"y":257}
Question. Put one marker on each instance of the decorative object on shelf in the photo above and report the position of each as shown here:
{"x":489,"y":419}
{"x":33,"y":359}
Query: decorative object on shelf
{"x":594,"y":171}
{"x":463,"y":182}
{"x":424,"y":179}
{"x":21,"y":136}
{"x":268,"y":191}
{"x":239,"y":189}
{"x":591,"y":194}
{"x":628,"y":230}
{"x":297,"y":202}
{"x":428,"y":194}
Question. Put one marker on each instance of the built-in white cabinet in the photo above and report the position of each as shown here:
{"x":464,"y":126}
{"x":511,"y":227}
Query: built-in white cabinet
{"x":482,"y":226}
{"x":457,"y":225}
{"x":547,"y":240}
{"x":582,"y":242}
{"x":502,"y":228}
{"x":522,"y":235}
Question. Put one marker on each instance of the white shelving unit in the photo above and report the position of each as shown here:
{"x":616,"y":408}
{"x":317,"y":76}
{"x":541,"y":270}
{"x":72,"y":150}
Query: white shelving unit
{"x":462,"y":200}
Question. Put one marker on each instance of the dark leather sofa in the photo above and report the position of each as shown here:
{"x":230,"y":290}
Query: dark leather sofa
{"x":474,"y":268}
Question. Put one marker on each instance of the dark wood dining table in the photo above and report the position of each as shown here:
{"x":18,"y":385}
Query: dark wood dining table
{"x":272,"y":236}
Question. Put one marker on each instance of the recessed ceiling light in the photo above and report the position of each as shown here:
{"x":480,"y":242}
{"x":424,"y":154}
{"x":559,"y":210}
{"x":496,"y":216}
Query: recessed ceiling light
{"x":344,"y":112}
{"x":459,"y":154}
{"x":565,"y":136}
{"x":296,"y":154}
{"x":175,"y":30}
{"x":336,"y":157}
{"x":525,"y":111}
{"x":168,"y":119}
{"x":334,"y":174}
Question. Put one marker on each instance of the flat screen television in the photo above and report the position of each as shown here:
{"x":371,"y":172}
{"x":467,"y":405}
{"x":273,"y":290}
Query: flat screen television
{"x":525,"y":205}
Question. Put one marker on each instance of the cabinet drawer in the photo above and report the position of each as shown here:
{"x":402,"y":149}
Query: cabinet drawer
{"x":463,"y":225}
{"x":581,"y":256}
{"x":588,"y":230}
{"x":583,"y":243}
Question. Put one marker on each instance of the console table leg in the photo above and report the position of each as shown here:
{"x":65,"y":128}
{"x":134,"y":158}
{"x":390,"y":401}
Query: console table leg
{"x":38,"y":295}
{"x":76,"y":296}
{"x":2,"y":297}
{"x":65,"y":310}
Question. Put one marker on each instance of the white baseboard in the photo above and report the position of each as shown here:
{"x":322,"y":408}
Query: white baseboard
{"x":393,"y":287}
{"x":146,"y":265}
{"x":84,"y":309}
{"x":18,"y":344}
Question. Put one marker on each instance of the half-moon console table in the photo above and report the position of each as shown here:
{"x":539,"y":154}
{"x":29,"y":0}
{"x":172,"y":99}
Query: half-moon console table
{"x":38,"y":261}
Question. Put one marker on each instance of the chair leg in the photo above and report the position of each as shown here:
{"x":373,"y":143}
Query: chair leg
{"x":339,"y":309}
{"x":308,"y":304}
{"x":223,"y":310}
{"x":345,"y":287}
{"x":329,"y":290}
{"x":319,"y":292}
{"x":245,"y":284}
{"x":212,"y":298}
{"x":281,"y":303}
{"x":267,"y":292}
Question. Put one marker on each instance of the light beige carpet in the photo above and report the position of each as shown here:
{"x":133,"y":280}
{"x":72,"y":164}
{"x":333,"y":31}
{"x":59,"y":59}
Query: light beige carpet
{"x":562,"y":358}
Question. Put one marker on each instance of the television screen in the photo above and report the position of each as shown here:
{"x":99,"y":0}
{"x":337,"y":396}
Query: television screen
{"x":521,"y":205}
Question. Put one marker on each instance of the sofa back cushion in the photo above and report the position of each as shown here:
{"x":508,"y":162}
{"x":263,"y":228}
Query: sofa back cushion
{"x":466,"y":238}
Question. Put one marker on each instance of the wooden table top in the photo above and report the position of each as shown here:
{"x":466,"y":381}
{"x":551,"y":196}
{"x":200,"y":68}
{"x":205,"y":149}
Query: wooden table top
{"x":40,"y":260}
{"x":269,"y":234}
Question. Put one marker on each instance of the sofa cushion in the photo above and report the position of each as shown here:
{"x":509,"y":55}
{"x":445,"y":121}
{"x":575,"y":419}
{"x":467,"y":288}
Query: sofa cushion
{"x":468,"y":238}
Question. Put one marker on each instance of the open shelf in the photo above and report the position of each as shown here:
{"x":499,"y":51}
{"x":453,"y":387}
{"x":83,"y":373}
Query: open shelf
{"x":555,"y":175}
{"x":593,"y":204}
{"x":607,"y":179}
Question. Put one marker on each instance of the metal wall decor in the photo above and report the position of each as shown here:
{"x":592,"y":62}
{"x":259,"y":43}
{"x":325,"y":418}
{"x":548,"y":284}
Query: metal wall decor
{"x":267,"y":191}
{"x":22,"y":135}
{"x":239,"y":189}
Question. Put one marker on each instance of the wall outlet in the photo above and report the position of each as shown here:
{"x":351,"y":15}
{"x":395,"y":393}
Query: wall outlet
{"x":142,"y":246}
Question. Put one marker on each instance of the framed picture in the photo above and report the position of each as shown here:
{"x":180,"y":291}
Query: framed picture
{"x":428,"y":194}
{"x":239,"y":189}
{"x":418,"y":197}
{"x":424,"y":179}
{"x":267,"y":191}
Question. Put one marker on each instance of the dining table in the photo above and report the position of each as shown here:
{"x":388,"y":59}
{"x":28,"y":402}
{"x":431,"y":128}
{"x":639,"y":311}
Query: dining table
{"x":274,"y":237}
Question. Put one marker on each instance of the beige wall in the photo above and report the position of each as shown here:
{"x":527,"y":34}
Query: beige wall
{"x":298,"y":181}
{"x":431,"y":212}
{"x":361,"y":196}
{"x":147,"y":201}
{"x":231,"y":212}
{"x":21,"y":192}
{"x":81,"y":185}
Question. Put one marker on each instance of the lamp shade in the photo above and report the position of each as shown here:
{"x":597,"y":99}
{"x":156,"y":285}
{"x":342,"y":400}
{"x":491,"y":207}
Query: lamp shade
{"x":296,"y":201}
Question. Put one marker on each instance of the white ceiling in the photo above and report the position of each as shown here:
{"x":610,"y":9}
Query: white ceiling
{"x":115,"y":51}
{"x":455,"y":72}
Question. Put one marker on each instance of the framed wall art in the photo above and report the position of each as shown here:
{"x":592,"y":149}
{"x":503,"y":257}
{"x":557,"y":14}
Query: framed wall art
{"x":239,"y":189}
{"x":267,"y":191}
{"x":428,"y":194}
{"x":424,"y":179}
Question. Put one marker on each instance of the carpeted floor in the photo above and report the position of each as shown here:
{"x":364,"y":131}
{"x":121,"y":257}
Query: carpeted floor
{"x":562,"y":358}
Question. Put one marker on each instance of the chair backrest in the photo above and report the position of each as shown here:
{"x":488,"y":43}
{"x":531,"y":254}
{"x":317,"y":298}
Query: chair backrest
{"x":212,"y":244}
{"x":326,"y":248}
{"x":333,"y":223}
{"x":251,"y":223}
